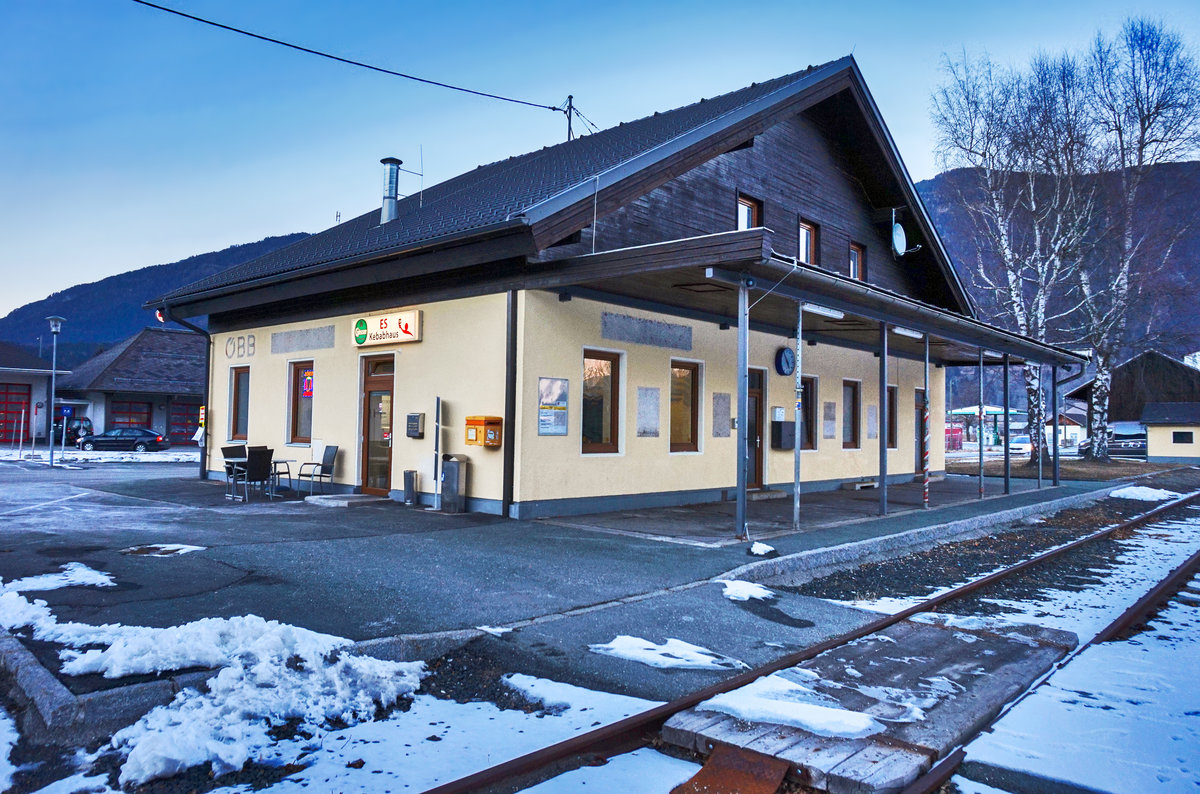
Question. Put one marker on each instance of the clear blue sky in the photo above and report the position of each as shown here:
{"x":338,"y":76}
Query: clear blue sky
{"x":129,"y":137}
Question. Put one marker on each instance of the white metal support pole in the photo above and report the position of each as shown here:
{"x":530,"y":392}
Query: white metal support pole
{"x":799,"y":416}
{"x":50,"y":414}
{"x":1041,"y":429}
{"x":1054,"y":412}
{"x":743,"y":412}
{"x":883,"y":418}
{"x":1007,"y":435}
{"x":926,"y":420}
{"x":437,"y":458}
{"x":979,"y":423}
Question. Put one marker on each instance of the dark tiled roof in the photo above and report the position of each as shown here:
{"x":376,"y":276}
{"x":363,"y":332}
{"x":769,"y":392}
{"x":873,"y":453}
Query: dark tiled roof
{"x":1171,"y":414}
{"x":13,"y":357}
{"x":152,"y":361}
{"x":491,"y":193}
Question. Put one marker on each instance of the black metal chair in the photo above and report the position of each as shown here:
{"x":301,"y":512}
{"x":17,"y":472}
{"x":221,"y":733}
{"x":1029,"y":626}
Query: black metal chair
{"x":235,"y":451}
{"x":258,"y":471}
{"x":319,"y":472}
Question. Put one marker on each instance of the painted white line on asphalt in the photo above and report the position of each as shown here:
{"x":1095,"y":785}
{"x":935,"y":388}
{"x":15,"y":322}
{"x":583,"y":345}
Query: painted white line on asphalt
{"x":44,"y":504}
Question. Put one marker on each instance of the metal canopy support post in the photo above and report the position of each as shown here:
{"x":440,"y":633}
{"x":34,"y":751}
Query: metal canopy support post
{"x":925,"y":420}
{"x":1041,"y":430}
{"x":979,"y":423}
{"x":743,"y":409}
{"x":798,"y":416}
{"x":1007,"y":455}
{"x":883,"y":418}
{"x":1054,"y":414}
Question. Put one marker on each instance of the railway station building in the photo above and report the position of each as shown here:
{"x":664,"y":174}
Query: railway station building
{"x":743,"y":293}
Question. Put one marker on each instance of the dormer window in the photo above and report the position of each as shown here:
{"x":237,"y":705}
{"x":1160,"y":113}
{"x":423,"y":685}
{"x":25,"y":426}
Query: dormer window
{"x":749,"y":212}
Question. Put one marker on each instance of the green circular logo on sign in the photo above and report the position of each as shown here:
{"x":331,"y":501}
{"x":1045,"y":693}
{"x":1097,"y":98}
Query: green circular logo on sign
{"x":360,"y":332}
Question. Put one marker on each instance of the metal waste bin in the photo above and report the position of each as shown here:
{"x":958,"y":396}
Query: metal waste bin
{"x":454,"y":483}
{"x":410,"y":487}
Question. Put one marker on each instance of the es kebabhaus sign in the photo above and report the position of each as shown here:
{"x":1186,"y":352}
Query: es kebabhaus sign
{"x":387,"y":329}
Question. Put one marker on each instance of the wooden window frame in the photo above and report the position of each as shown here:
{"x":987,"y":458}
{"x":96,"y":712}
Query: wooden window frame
{"x":694,"y":444}
{"x":856,"y":436}
{"x":893,"y":420}
{"x":861,"y":250}
{"x":814,"y":234}
{"x":295,"y":370}
{"x":235,"y":416}
{"x":808,"y":438}
{"x":756,"y":211}
{"x":598,"y":448}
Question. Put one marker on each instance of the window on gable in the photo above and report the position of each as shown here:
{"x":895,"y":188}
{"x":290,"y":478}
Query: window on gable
{"x":858,"y":262}
{"x":806,"y":239}
{"x":601,"y":385}
{"x":749,"y":212}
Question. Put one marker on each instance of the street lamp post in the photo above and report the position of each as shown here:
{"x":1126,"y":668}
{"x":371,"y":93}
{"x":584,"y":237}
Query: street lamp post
{"x":55,"y":326}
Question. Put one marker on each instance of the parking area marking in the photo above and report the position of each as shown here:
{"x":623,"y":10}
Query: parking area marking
{"x":45,"y":504}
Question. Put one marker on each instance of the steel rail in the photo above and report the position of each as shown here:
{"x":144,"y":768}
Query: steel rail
{"x":1135,"y":615}
{"x":622,"y":731}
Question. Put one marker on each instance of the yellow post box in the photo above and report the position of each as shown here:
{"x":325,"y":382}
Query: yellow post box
{"x":485,"y":431}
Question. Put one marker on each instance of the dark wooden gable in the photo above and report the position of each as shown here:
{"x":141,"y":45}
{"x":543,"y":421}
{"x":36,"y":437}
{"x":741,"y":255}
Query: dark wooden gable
{"x":1146,"y":378}
{"x":822,"y":166}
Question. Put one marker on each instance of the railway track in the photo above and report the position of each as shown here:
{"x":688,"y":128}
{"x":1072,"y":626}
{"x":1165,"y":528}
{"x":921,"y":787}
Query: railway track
{"x":641,"y":729}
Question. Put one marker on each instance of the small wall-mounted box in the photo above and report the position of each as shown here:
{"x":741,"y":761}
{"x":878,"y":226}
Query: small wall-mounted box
{"x":485,"y":431}
{"x":415,"y":426}
{"x":783,"y":435}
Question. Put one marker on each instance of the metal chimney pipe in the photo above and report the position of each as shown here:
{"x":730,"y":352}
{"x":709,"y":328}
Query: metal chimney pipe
{"x":391,"y":178}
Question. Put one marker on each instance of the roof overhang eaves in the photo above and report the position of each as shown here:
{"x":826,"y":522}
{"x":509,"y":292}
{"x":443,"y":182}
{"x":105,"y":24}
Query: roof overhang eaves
{"x":806,"y":283}
{"x":180,"y":302}
{"x":875,"y":118}
{"x":570,"y":196}
{"x":27,"y":371}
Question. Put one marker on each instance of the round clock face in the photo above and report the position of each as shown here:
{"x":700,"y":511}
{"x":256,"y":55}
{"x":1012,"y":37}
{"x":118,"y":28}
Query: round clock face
{"x":785,"y":361}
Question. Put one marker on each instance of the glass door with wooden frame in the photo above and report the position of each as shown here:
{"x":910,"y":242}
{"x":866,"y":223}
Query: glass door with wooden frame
{"x":378,"y":374}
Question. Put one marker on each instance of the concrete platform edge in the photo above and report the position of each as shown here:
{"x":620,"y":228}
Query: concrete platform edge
{"x":815,"y":563}
{"x":1018,"y":780}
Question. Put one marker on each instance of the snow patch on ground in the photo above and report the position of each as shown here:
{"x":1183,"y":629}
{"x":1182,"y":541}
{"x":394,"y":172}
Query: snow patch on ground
{"x":271,"y":673}
{"x":495,"y":631}
{"x":74,"y":455}
{"x":671,"y":654}
{"x":8,"y":740}
{"x":73,"y":574}
{"x":641,"y":770}
{"x":1143,"y":494}
{"x":437,"y":741}
{"x":161,"y":549}
{"x":760,"y":549}
{"x":1136,"y":703}
{"x":781,"y":701}
{"x":737,"y":590}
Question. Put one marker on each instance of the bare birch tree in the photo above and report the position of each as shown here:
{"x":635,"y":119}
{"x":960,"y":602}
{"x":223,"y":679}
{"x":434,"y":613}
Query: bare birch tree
{"x":1025,"y":140}
{"x":1145,"y":102}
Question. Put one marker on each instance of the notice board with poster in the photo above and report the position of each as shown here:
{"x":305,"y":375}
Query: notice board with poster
{"x":552,"y":406}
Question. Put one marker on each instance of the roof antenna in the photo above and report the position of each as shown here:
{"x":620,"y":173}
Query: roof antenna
{"x":570,"y":114}
{"x":421,"y":199}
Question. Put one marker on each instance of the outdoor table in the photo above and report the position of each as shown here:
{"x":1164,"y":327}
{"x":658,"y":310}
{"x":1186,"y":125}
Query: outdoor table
{"x":237,"y":464}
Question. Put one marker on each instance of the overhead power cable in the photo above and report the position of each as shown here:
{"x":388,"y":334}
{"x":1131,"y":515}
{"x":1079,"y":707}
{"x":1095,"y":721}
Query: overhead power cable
{"x":347,"y":60}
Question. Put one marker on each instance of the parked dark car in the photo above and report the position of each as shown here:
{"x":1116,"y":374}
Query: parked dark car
{"x":1125,"y":440}
{"x":77,"y":428}
{"x":134,"y":439}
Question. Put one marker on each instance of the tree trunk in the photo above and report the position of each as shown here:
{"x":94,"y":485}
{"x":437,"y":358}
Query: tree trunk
{"x":1098,"y":408}
{"x":1037,"y":410}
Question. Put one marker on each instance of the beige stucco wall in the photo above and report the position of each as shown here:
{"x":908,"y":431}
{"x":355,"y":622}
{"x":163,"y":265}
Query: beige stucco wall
{"x":460,"y":359}
{"x":554,"y":335}
{"x":1160,"y":445}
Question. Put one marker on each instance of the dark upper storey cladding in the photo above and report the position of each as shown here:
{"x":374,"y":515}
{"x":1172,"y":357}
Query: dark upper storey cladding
{"x":804,"y":167}
{"x":809,"y":143}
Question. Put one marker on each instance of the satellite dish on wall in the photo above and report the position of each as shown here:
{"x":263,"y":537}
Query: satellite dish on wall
{"x":899,"y":239}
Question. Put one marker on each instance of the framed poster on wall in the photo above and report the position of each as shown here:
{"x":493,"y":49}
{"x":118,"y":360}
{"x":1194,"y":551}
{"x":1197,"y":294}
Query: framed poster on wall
{"x":552,"y":406}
